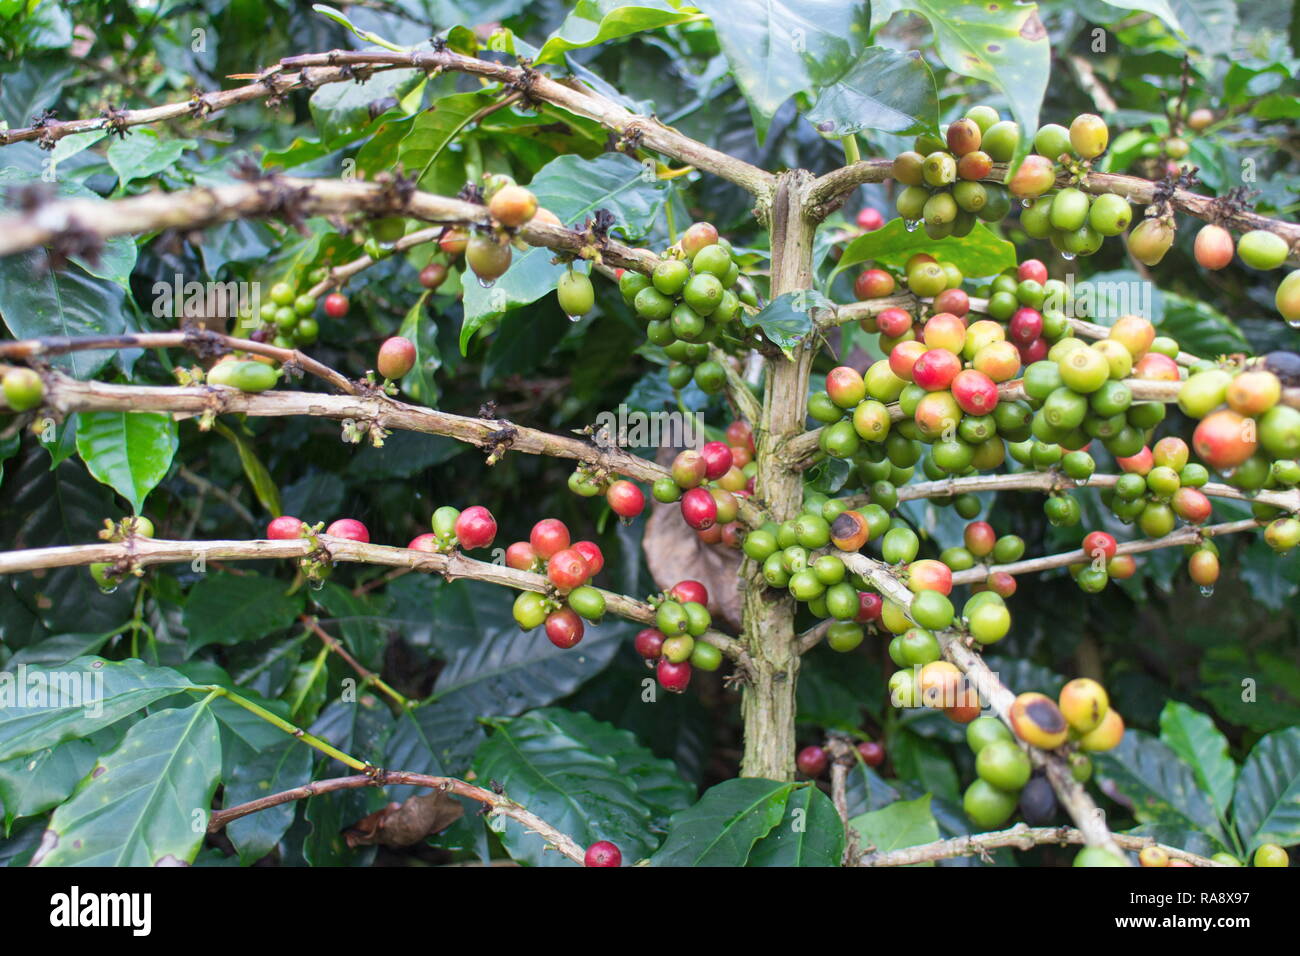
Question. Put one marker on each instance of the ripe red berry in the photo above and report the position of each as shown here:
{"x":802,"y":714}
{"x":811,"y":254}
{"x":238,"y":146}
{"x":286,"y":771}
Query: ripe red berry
{"x":873,"y":284}
{"x":1035,"y":351}
{"x":979,"y":538}
{"x":673,"y":677}
{"x":928,"y":574}
{"x":433,"y":275}
{"x":564,"y":627}
{"x":349,"y":528}
{"x":336,"y":305}
{"x":700,"y":509}
{"x":873,"y":754}
{"x":740,"y":435}
{"x":1138,"y":464}
{"x":549,"y":536}
{"x":567,"y":569}
{"x":424,"y":542}
{"x":812,"y":761}
{"x":870,"y":219}
{"x":1099,"y":544}
{"x":625,"y":498}
{"x":1025,"y":326}
{"x":476,"y":528}
{"x":975,"y":392}
{"x":396,"y":357}
{"x":284,"y":528}
{"x":592,"y":554}
{"x":602,"y":853}
{"x":689,"y":469}
{"x":935,"y":370}
{"x":870,"y":606}
{"x":894,"y":322}
{"x":688,"y":591}
{"x":717,"y":459}
{"x":1002,"y":584}
{"x":954,"y":301}
{"x":521,"y":556}
{"x":650,"y":643}
{"x":1191,"y":505}
{"x":1032,"y":269}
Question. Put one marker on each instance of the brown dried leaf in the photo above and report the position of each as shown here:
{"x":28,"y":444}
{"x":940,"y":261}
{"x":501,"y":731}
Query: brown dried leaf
{"x":405,"y":824}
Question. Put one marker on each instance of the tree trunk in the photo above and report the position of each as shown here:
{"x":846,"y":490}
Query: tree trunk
{"x":768,"y":708}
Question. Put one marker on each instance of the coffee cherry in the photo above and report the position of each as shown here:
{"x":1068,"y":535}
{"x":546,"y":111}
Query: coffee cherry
{"x":1287,"y":298}
{"x":1096,"y":856}
{"x":1084,"y":703}
{"x":689,"y":469}
{"x":336,"y":305}
{"x":396,"y":357}
{"x":699,"y":509}
{"x":1153,"y":856}
{"x":1089,"y":135}
{"x":812,"y":761}
{"x":548,"y":537}
{"x":587,"y":602}
{"x":23,"y":389}
{"x":625,"y":499}
{"x":530,"y":610}
{"x":1038,"y":802}
{"x":845,"y":387}
{"x":1000,"y":140}
{"x":984,"y":731}
{"x":1282,"y":534}
{"x":423,"y":542}
{"x":1261,"y":249}
{"x":1037,"y":721}
{"x":1224,"y":440}
{"x":1214,"y":247}
{"x":431,"y":276}
{"x":1254,"y":393}
{"x":987,"y":806}
{"x":512,"y":206}
{"x":717,"y":458}
{"x":939,"y":684}
{"x":488,"y":258}
{"x":678,"y":649}
{"x":575,"y":294}
{"x":284,"y":528}
{"x":1279,"y":432}
{"x":521,"y":557}
{"x":1106,"y":735}
{"x":564,"y":628}
{"x":1151,"y":240}
{"x":649,"y":643}
{"x":475,"y":528}
{"x":1203,"y":392}
{"x":1270,"y":854}
{"x":673,"y":677}
{"x":873,"y":284}
{"x":567,"y":569}
{"x":602,"y":853}
{"x":349,"y":528}
{"x":989,"y":623}
{"x":1004,"y":765}
{"x":1034,"y":177}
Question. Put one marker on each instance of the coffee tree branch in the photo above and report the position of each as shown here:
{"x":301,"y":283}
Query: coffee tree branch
{"x":138,"y":552}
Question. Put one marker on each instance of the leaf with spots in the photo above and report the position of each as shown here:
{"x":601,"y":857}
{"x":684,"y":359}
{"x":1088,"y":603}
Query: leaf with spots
{"x":999,"y":42}
{"x":144,"y":802}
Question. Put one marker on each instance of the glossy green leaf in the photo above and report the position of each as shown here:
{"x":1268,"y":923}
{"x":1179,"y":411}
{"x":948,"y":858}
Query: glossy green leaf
{"x":1193,"y":737}
{"x":1162,"y":789}
{"x":36,"y":782}
{"x":777,"y":48}
{"x":1209,"y":24}
{"x":1267,"y":803}
{"x":1200,"y":328}
{"x":810,"y":834}
{"x":131,"y":452}
{"x":435,"y":127}
{"x":228,"y":608}
{"x":979,"y":254}
{"x":888,"y":90}
{"x":144,"y":154}
{"x":1003,"y":44}
{"x":595,"y":21}
{"x":50,"y":705}
{"x":281,"y":767}
{"x":723,"y":827}
{"x":582,"y":776}
{"x":902,"y":824}
{"x":147,"y":802}
{"x":787,"y":320}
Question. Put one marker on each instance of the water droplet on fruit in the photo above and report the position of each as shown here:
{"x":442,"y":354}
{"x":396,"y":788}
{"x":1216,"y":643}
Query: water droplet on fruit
{"x":486,"y":283}
{"x":574,"y":318}
{"x":1026,"y":203}
{"x":911,"y":224}
{"x":1207,"y":591}
{"x":1294,"y":323}
{"x":110,"y":590}
{"x":1067,"y":256}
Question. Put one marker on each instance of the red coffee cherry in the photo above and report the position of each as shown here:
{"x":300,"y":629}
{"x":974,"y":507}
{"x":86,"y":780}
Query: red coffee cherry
{"x":592,"y":554}
{"x":602,"y":853}
{"x":336,"y":305}
{"x":476,"y":528}
{"x":549,"y":536}
{"x":349,"y":528}
{"x":521,"y":556}
{"x":688,"y":591}
{"x":564,"y":628}
{"x":873,"y":754}
{"x":424,"y":542}
{"x":567,"y":569}
{"x":717,"y":459}
{"x":284,"y":528}
{"x":673,"y":677}
{"x":812,"y":761}
{"x":699,"y":509}
{"x":650,"y":643}
{"x":396,"y":357}
{"x":625,"y":498}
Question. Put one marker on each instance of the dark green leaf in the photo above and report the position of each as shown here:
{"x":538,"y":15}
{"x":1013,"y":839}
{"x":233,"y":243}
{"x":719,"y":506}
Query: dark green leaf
{"x":36,"y":782}
{"x":228,"y":608}
{"x":902,"y":824}
{"x":979,"y":254}
{"x":1193,"y":737}
{"x":723,"y":827}
{"x":1161,"y":788}
{"x":286,"y":765}
{"x":1267,"y":803}
{"x":810,"y":834}
{"x":145,"y":803}
{"x":889,"y":90}
{"x":787,"y":319}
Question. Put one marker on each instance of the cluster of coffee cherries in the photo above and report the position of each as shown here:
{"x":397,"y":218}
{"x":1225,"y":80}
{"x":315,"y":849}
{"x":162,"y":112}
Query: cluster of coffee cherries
{"x":568,"y":566}
{"x":625,"y":498}
{"x":674,"y":646}
{"x":288,"y":319}
{"x":708,"y":484}
{"x":688,"y":301}
{"x":813,"y":760}
{"x":981,"y":544}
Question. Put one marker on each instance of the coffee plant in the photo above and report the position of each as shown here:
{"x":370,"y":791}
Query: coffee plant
{"x":546,"y":437}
